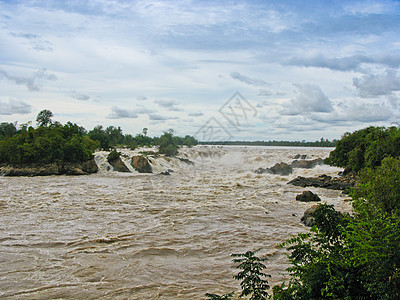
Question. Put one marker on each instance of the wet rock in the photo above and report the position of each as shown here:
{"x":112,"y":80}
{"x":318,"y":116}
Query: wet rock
{"x":300,"y":156}
{"x":90,"y":166}
{"x":119,"y":165}
{"x":308,"y":196}
{"x":307,"y":164}
{"x":308,"y":218}
{"x":324,"y":181}
{"x":84,"y":168}
{"x":185,"y":160}
{"x":278,"y":169}
{"x":141,"y":164}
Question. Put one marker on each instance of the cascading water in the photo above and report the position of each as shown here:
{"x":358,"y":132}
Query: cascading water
{"x":150,"y":236}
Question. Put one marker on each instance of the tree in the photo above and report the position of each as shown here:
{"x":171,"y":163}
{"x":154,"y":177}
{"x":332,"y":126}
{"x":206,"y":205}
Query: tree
{"x":145,"y":131}
{"x":251,"y":275}
{"x":168,"y":144}
{"x":44,"y":118}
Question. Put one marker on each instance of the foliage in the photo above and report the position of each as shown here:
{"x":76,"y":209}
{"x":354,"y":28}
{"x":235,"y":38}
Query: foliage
{"x":354,"y":257}
{"x":55,"y":143}
{"x":44,"y":118}
{"x":168,"y":144}
{"x":7,"y":130}
{"x":113,"y":155}
{"x":381,"y":186}
{"x":251,"y":275}
{"x":366,"y":148}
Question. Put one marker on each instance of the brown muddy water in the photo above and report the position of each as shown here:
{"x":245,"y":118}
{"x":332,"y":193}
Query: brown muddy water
{"x":117,"y":235}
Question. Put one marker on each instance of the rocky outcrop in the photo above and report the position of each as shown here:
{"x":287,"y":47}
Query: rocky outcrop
{"x":300,"y":156}
{"x":343,"y":183}
{"x":66,"y":168}
{"x":278,"y":169}
{"x":308,"y":196}
{"x":141,"y":164}
{"x":308,"y":218}
{"x":185,"y":160}
{"x":307,"y":164}
{"x":118,"y":165}
{"x":285,"y":169}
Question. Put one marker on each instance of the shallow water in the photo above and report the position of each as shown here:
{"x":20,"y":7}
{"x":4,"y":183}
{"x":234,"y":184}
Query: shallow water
{"x":148,"y":236}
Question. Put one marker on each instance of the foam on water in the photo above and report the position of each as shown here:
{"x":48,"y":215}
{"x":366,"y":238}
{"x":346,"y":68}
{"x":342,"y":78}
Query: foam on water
{"x":150,"y":236}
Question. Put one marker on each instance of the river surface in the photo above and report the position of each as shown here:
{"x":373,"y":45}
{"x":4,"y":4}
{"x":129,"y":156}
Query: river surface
{"x":116,"y":235}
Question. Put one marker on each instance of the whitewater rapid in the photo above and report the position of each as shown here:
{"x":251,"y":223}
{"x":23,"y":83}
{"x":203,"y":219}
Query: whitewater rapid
{"x":150,"y":236}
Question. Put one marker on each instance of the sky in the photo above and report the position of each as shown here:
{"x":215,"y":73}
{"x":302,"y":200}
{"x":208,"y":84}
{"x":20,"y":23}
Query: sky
{"x":240,"y":70}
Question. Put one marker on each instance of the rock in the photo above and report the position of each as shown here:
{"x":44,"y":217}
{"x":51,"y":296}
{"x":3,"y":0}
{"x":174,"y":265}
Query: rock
{"x":185,"y":160}
{"x":301,"y":156}
{"x":66,"y":168}
{"x":307,"y":164}
{"x":141,"y":164}
{"x":165,"y":173}
{"x":90,"y":166}
{"x":308,"y":196}
{"x":278,"y":169}
{"x":119,"y":165}
{"x":308,"y":218}
{"x":327,"y":182}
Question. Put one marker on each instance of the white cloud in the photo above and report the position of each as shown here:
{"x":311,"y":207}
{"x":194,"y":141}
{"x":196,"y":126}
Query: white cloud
{"x":120,"y":113}
{"x":376,"y":85}
{"x":309,"y":98}
{"x":248,"y":80}
{"x":12,"y":107}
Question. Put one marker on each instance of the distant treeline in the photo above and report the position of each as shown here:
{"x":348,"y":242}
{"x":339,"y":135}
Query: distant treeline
{"x":321,"y":143}
{"x":53,"y":142}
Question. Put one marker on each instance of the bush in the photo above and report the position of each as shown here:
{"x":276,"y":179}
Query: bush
{"x":365,"y":148}
{"x":113,"y":155}
{"x":168,"y":144}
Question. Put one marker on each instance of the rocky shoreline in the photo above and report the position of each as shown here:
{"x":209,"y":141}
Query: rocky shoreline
{"x":84,"y":168}
{"x":343,"y":182}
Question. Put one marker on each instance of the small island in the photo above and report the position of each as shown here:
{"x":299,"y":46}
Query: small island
{"x":56,"y":149}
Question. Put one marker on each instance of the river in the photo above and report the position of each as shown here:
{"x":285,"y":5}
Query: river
{"x":149,"y":236}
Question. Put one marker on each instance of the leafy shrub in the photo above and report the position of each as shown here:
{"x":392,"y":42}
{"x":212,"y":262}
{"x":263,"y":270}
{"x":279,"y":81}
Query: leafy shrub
{"x":168,"y":144}
{"x":251,"y":276}
{"x":365,"y":148}
{"x":113,"y":155}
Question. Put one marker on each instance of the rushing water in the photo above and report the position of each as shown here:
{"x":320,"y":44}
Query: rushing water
{"x":149,"y":236}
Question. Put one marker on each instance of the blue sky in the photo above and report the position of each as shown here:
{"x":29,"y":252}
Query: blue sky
{"x":306,"y":69}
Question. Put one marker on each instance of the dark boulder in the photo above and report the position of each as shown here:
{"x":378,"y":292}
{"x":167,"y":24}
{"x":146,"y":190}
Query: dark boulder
{"x":324,"y":181}
{"x":308,"y":196}
{"x":185,"y":160}
{"x":84,"y":168}
{"x":90,"y":166}
{"x":141,"y":164}
{"x":301,"y":156}
{"x":282,"y":169}
{"x":307,"y":164}
{"x":308,"y":218}
{"x":118,"y":165}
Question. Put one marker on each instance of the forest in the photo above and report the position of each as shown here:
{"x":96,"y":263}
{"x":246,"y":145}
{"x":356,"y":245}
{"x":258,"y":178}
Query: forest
{"x":52,"y":142}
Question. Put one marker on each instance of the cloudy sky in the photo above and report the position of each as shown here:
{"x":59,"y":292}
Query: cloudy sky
{"x":302,"y":69}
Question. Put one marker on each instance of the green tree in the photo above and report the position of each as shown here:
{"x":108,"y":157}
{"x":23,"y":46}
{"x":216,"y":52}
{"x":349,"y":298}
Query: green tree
{"x":168,"y":144}
{"x":251,"y":276}
{"x":99,"y":134}
{"x":44,"y":118}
